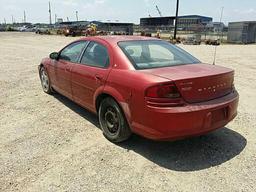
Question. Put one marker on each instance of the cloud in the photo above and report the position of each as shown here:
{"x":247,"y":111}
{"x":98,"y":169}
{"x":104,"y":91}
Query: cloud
{"x":147,"y":3}
{"x":100,"y":1}
{"x":95,"y":4}
{"x":239,"y":15}
{"x":10,"y":7}
{"x":244,"y":12}
{"x":69,"y":3}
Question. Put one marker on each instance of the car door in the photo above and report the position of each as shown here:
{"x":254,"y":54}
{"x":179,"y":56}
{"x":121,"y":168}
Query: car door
{"x":63,"y":66}
{"x":90,"y":75}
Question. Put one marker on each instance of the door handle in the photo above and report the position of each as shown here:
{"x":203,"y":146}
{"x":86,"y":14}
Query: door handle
{"x":98,"y":78}
{"x":68,"y":69}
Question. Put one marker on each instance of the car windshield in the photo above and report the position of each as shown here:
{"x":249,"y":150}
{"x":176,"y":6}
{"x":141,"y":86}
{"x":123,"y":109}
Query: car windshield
{"x":155,"y":53}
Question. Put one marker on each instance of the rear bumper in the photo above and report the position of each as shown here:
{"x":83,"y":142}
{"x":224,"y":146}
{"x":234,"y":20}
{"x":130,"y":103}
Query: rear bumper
{"x":190,"y":120}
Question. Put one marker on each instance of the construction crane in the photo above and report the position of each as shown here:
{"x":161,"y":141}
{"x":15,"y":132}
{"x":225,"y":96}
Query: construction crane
{"x":158,"y":10}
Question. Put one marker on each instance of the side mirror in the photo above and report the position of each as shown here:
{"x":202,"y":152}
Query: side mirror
{"x":54,"y":55}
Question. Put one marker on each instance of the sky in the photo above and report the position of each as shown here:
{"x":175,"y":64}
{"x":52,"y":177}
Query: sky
{"x":124,"y":11}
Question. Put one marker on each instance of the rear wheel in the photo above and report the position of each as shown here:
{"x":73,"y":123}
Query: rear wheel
{"x":112,"y":121}
{"x":45,"y":81}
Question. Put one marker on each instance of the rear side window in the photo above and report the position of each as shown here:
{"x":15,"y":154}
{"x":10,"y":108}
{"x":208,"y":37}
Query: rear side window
{"x":95,"y":55}
{"x":72,"y":52}
{"x":148,"y":54}
{"x":157,"y":51}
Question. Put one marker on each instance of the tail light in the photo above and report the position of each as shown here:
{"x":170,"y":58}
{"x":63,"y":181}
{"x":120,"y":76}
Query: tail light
{"x":166,"y":95}
{"x":233,"y":87}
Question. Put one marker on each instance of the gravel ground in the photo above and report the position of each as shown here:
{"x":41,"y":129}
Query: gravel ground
{"x":48,"y":143}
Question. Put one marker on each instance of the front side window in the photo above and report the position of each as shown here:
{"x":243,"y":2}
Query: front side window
{"x":154,"y":54}
{"x":72,"y":52}
{"x":95,"y":55}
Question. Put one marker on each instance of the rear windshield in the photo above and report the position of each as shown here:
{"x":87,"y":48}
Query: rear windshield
{"x":155,"y":53}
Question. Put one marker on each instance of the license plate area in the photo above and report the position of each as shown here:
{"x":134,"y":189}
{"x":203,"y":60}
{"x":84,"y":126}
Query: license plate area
{"x":219,"y":115}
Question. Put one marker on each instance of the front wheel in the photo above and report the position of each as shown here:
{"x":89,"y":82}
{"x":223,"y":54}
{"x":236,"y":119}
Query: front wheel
{"x":45,"y":81}
{"x":113,"y":122}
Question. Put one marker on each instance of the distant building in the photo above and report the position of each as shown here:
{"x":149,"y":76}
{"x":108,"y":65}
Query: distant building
{"x":187,"y":22}
{"x":157,"y":21}
{"x":193,"y":22}
{"x":242,"y":32}
{"x":115,"y":28}
{"x":59,"y":20}
{"x":74,"y":23}
{"x":21,"y":24}
{"x":218,"y":27}
{"x":153,"y":24}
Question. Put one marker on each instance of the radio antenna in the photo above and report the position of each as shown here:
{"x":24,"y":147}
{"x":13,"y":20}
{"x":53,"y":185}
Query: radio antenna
{"x":215,"y":49}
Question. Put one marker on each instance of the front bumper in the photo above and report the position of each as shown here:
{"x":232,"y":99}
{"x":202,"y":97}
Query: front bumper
{"x":190,"y":120}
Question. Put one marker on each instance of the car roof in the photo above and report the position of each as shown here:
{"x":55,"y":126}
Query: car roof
{"x":114,"y":39}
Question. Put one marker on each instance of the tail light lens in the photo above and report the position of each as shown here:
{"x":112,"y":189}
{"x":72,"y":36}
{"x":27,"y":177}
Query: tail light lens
{"x":166,"y":95}
{"x":233,"y":87}
{"x":163,"y":91}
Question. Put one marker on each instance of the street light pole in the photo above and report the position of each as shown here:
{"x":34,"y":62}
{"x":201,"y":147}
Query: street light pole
{"x":25,"y":18}
{"x":176,"y":19}
{"x":50,"y":13}
{"x":76,"y":15}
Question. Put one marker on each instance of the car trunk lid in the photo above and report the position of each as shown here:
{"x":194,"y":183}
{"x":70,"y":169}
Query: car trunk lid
{"x":198,"y":82}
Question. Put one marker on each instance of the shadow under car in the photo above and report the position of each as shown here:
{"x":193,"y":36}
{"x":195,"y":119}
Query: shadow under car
{"x":191,"y":154}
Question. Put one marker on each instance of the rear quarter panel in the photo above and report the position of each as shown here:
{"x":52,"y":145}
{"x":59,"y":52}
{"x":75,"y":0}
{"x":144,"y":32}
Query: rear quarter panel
{"x":128,"y":88}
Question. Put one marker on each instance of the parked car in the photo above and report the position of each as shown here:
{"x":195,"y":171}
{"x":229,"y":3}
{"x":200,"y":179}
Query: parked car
{"x":43,"y":31}
{"x":142,"y":85}
{"x":193,"y":40}
{"x":2,"y":27}
{"x":75,"y":30}
{"x":215,"y":42}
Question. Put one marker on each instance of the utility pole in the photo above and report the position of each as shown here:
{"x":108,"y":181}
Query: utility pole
{"x":12,"y":19}
{"x":50,"y":13}
{"x":24,"y":17}
{"x":67,"y":19}
{"x":76,"y":15}
{"x":55,"y":18}
{"x":215,"y":49}
{"x":221,"y":15}
{"x":176,"y":19}
{"x":4,"y":21}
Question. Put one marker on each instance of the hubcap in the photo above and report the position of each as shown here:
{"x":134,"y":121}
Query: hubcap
{"x":111,"y":119}
{"x":44,"y":80}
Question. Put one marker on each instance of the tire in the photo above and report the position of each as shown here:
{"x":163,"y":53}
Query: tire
{"x":45,"y":81}
{"x":113,"y":122}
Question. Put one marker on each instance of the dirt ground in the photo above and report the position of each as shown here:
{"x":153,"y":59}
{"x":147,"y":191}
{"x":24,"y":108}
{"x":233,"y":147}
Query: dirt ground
{"x":48,"y":143}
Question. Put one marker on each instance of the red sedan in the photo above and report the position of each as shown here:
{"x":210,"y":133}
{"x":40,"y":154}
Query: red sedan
{"x":142,"y":85}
